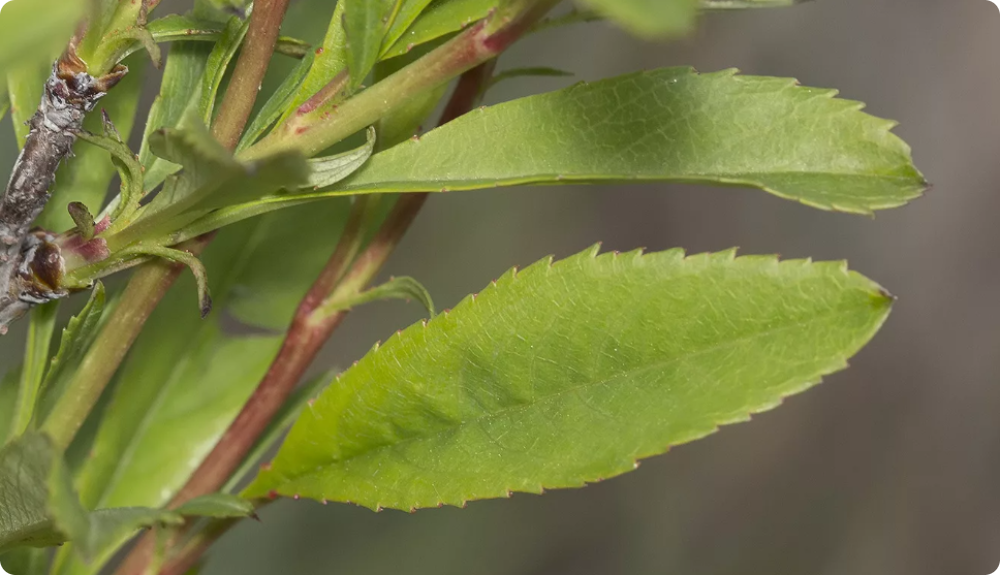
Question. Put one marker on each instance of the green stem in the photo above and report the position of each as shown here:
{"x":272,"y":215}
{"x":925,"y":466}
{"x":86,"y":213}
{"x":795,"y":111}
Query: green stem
{"x":480,"y":43}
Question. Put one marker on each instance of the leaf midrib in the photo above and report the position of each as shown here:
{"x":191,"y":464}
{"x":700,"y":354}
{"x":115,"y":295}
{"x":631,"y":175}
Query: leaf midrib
{"x":817,"y":318}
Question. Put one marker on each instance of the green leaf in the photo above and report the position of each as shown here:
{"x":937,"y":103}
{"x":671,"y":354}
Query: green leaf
{"x":568,"y":373}
{"x":406,"y":122}
{"x":365,"y":23}
{"x":187,"y":28}
{"x":26,"y":465}
{"x":126,"y":203}
{"x":212,"y":179}
{"x":85,"y":178}
{"x":180,"y":388}
{"x":329,"y":170}
{"x":218,"y":62}
{"x":290,"y":248}
{"x":674,"y":125}
{"x":405,"y":288}
{"x":76,"y":337}
{"x":25,"y":36}
{"x":408,"y":12}
{"x":442,"y":17}
{"x":331,"y":60}
{"x":180,"y":93}
{"x":36,"y":358}
{"x":649,"y":18}
{"x":217,"y":505}
{"x":276,"y":105}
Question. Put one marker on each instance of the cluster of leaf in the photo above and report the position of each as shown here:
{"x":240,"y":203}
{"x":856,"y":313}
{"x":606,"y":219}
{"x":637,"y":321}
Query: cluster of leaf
{"x":561,"y":374}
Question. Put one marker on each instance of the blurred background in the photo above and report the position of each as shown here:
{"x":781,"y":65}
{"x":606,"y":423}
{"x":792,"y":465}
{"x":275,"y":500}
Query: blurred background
{"x":889,"y":468}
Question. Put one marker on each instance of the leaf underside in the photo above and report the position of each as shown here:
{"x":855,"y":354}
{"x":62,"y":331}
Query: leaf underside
{"x":567,"y":373}
{"x":672,"y":124}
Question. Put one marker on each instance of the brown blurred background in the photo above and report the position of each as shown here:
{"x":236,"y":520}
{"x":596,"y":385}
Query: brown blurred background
{"x":889,"y":468}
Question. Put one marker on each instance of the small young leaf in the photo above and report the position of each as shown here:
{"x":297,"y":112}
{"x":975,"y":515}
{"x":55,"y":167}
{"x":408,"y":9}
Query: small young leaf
{"x":672,"y":124}
{"x":75,"y":338}
{"x":83,"y":219}
{"x":405,"y":288}
{"x":442,"y":17}
{"x":649,"y":18}
{"x":568,"y":373}
{"x":217,"y":505}
{"x":184,"y":258}
{"x":129,"y":171}
{"x":330,"y":170}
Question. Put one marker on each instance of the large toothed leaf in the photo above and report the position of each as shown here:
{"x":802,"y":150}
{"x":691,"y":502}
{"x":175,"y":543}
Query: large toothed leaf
{"x":649,"y":18}
{"x":673,"y":125}
{"x":26,"y":35}
{"x":568,"y":373}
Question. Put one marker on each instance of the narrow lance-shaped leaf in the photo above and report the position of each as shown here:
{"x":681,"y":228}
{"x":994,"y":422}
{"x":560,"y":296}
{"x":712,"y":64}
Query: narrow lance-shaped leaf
{"x":276,"y":105}
{"x":674,"y":125}
{"x":331,"y":60}
{"x":442,"y":17}
{"x":366,"y":23}
{"x":180,"y":94}
{"x":568,"y":373}
{"x":218,"y":62}
{"x":75,"y":337}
